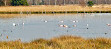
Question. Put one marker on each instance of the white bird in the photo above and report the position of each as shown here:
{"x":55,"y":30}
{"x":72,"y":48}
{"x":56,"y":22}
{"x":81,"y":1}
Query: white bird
{"x":87,"y":25}
{"x":23,"y":23}
{"x":61,"y":25}
{"x":74,"y":21}
{"x":61,"y":21}
{"x":45,"y":21}
{"x":14,"y":24}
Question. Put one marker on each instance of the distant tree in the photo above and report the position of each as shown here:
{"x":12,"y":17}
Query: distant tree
{"x":90,"y":3}
{"x":19,"y":2}
{"x":1,"y":2}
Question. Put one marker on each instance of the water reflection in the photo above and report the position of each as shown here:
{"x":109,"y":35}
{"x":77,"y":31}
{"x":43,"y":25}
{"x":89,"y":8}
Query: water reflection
{"x":12,"y":16}
{"x":29,"y":27}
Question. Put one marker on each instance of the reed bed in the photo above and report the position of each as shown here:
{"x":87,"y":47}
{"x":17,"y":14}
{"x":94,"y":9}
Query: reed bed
{"x":54,"y":8}
{"x":63,"y":42}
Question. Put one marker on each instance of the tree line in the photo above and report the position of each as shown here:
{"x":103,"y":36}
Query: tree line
{"x":64,"y":2}
{"x":50,"y":2}
{"x":13,"y":2}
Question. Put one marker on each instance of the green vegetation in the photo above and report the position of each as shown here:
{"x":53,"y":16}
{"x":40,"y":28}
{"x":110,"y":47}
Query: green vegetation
{"x":1,"y":3}
{"x":63,"y":42}
{"x":90,"y":3}
{"x":18,"y":2}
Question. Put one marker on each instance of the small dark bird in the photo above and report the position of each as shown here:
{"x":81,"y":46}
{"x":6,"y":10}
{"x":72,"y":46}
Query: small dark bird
{"x":11,"y":30}
{"x":87,"y":28}
{"x":105,"y":33}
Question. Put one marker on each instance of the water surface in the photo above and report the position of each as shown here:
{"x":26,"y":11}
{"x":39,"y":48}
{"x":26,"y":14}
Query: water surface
{"x":35,"y":26}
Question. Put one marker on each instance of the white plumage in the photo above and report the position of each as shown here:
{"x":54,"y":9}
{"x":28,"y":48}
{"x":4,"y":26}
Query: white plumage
{"x":14,"y":24}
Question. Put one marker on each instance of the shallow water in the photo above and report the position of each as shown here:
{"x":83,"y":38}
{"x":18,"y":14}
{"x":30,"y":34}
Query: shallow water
{"x":34,"y":26}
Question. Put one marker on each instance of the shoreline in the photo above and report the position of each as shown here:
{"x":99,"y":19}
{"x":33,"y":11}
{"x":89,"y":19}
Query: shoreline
{"x":50,"y":9}
{"x":54,"y":12}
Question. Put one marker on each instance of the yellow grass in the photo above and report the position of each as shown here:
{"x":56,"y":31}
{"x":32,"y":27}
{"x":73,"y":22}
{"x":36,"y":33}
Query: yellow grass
{"x":63,"y":42}
{"x":56,"y":8}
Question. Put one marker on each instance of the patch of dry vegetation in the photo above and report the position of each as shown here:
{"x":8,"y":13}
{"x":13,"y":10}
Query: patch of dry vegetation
{"x":51,"y":8}
{"x":63,"y":42}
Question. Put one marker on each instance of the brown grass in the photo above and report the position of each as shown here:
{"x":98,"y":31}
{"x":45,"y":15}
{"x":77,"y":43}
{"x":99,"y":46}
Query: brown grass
{"x":51,"y":8}
{"x":63,"y":42}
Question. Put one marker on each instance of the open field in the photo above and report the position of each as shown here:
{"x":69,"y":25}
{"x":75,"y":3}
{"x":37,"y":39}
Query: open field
{"x":55,"y":9}
{"x":63,"y":42}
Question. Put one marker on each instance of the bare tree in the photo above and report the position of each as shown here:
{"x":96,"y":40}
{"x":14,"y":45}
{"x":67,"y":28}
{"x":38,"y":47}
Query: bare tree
{"x":55,"y":2}
{"x":49,"y":2}
{"x":5,"y":1}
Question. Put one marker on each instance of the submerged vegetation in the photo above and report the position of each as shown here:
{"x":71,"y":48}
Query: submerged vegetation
{"x":63,"y":42}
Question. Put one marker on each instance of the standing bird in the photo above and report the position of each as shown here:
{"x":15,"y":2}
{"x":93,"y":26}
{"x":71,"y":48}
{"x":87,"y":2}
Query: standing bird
{"x":108,"y":24}
{"x":87,"y":26}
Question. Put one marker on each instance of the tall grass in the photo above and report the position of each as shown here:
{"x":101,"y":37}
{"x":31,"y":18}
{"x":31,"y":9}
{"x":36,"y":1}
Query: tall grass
{"x":56,"y":9}
{"x":63,"y":42}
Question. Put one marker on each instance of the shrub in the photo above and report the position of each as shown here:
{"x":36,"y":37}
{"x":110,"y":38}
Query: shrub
{"x":19,"y":2}
{"x":90,"y":3}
